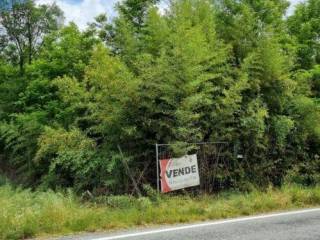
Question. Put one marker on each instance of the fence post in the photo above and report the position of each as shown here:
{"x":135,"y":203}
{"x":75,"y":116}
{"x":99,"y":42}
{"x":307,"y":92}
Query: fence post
{"x":157,"y":163}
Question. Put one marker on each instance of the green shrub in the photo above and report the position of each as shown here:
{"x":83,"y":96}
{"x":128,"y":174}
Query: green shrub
{"x":144,"y":203}
{"x":153,"y":194}
{"x":3,"y":180}
{"x":305,"y":173}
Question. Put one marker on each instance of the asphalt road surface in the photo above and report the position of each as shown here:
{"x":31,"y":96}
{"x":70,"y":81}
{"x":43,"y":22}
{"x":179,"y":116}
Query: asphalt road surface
{"x":297,"y":225}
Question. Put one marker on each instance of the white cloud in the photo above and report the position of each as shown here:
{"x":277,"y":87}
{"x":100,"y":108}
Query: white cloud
{"x":83,"y":11}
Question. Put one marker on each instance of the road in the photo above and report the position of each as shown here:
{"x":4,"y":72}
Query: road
{"x":297,"y":225}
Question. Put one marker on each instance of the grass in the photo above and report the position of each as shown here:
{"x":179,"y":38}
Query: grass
{"x":26,"y":214}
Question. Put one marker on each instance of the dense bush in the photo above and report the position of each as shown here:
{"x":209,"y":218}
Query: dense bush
{"x":221,"y":70}
{"x":305,"y":173}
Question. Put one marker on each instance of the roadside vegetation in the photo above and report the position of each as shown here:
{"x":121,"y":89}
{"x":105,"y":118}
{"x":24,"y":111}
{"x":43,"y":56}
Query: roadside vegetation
{"x":82,"y":109}
{"x":26,"y":214}
{"x":240,"y":72}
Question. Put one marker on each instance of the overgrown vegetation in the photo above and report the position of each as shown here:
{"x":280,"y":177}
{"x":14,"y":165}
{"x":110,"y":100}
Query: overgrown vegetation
{"x":25,"y":214}
{"x":222,"y":70}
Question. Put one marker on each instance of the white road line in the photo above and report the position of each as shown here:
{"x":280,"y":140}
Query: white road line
{"x":208,"y":224}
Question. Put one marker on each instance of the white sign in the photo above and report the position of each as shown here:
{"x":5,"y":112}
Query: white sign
{"x":179,"y":173}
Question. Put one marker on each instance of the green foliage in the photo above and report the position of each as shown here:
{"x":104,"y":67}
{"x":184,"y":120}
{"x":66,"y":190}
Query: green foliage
{"x":110,"y":86}
{"x":268,"y":69}
{"x":305,"y":173}
{"x":200,"y":60}
{"x":222,"y":70}
{"x":304,"y":24}
{"x":24,"y":28}
{"x":11,"y":84}
{"x":315,"y":81}
{"x":306,"y":110}
{"x":3,"y":180}
{"x":54,"y":141}
{"x":65,"y":52}
{"x":241,"y":23}
{"x":282,"y":125}
{"x":134,"y":11}
{"x":152,"y":194}
{"x":19,"y":139}
{"x":71,"y":159}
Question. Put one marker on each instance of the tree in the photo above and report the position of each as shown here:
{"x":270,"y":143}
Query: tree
{"x":304,"y":24}
{"x":30,"y":102}
{"x":240,"y":23}
{"x":135,"y":11}
{"x":201,"y":63}
{"x":127,"y":29}
{"x":268,"y":68}
{"x":24,"y":27}
{"x":66,"y":51}
{"x":98,"y":105}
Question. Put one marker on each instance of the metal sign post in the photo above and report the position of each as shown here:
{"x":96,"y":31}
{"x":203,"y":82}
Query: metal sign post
{"x":157,"y":163}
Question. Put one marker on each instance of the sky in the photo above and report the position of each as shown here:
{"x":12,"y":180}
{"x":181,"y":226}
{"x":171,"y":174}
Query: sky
{"x":83,"y":11}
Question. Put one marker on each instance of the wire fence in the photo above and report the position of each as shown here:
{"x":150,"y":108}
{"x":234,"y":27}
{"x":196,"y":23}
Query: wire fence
{"x":217,"y":163}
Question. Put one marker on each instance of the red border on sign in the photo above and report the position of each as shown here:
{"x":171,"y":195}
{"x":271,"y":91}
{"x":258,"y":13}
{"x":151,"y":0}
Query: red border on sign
{"x":164,"y":184}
